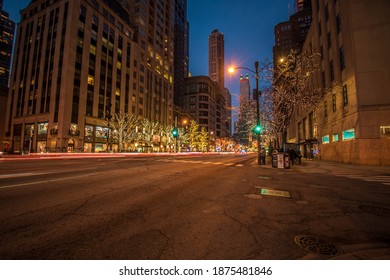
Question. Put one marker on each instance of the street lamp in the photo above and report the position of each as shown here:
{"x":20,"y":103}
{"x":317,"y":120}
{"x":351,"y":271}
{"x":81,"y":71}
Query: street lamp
{"x":256,"y":97}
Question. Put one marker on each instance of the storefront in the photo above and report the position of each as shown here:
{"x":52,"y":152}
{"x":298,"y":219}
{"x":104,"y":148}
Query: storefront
{"x":97,"y":138}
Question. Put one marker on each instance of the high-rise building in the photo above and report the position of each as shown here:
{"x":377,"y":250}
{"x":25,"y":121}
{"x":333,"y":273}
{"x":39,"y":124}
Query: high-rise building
{"x":7,"y":30}
{"x":77,"y":62}
{"x":351,"y":123}
{"x":205,"y":103}
{"x":154,"y":24}
{"x":217,"y":58}
{"x":181,"y":53}
{"x":245,"y":90}
{"x":217,"y":74}
{"x":243,"y":133}
{"x":291,"y":34}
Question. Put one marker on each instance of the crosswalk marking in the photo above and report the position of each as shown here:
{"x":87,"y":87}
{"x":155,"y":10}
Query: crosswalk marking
{"x":385,"y":180}
{"x":200,"y":162}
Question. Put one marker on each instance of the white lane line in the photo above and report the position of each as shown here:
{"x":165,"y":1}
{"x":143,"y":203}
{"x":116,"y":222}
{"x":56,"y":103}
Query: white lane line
{"x":19,"y":175}
{"x":369,"y":179}
{"x":47,"y":181}
{"x":228,"y":164}
{"x":239,"y":165}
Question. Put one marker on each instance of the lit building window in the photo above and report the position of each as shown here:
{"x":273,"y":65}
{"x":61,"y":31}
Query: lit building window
{"x":385,"y":131}
{"x":335,"y":137}
{"x":349,"y":134}
{"x":325,"y":139}
{"x":92,"y":49}
{"x":91,"y":80}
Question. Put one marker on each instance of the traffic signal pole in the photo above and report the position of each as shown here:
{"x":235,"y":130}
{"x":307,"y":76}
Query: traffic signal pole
{"x":175,"y":140}
{"x":256,"y":96}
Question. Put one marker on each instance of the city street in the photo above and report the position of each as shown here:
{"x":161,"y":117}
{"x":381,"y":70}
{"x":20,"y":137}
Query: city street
{"x":192,"y":207}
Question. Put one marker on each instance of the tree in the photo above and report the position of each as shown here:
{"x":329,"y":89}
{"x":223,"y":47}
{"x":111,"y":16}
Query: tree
{"x":149,"y":129}
{"x":292,"y":87}
{"x":203,"y":139}
{"x":166,"y":134}
{"x":123,"y":127}
{"x":183,"y":139}
{"x":193,"y":131}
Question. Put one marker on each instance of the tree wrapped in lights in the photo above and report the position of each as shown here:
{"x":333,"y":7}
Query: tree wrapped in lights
{"x":292,"y":88}
{"x":123,"y":127}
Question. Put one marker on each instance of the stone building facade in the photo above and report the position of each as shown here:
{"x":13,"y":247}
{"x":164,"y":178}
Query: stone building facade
{"x":352,"y":122}
{"x":206,"y":105}
{"x":77,"y":62}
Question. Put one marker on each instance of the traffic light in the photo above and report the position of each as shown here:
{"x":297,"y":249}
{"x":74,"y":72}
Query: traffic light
{"x":257,"y":129}
{"x":175,"y":132}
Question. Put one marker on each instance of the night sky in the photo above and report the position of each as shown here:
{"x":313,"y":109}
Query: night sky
{"x":247,"y":26}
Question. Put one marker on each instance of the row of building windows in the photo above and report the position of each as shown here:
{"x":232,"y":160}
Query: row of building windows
{"x":344,"y":93}
{"x":329,"y":43}
{"x":347,"y":135}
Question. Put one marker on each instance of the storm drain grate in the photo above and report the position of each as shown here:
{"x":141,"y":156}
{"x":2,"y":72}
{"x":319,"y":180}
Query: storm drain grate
{"x":317,"y":245}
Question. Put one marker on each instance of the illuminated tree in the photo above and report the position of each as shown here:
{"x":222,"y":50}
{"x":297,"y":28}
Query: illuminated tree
{"x":203,"y":139}
{"x":292,"y":88}
{"x":123,"y":127}
{"x":193,"y":131}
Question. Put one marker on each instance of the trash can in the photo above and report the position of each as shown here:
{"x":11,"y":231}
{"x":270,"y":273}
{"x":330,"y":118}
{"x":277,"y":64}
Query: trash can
{"x":274,"y":160}
{"x":286,"y":161}
{"x":280,"y":160}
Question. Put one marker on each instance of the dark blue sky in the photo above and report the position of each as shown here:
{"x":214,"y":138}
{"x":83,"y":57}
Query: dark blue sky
{"x":248,"y":28}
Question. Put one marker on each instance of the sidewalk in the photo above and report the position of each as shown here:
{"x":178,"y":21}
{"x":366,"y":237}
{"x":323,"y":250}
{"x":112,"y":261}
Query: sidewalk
{"x":359,"y":251}
{"x":322,"y":166}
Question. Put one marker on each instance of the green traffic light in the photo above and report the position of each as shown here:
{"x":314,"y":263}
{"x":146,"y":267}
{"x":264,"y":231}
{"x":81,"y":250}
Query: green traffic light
{"x":175,"y":132}
{"x":257,"y":129}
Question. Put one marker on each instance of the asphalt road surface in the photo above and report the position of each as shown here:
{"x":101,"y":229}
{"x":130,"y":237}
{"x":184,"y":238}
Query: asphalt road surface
{"x":195,"y":207}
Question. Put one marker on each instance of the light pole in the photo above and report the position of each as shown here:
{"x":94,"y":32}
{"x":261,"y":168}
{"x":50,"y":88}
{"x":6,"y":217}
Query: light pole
{"x":256,"y":97}
{"x":108,"y":119}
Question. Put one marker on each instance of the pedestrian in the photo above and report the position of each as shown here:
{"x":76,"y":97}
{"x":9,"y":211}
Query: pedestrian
{"x":299,"y":156}
{"x":262,"y":155}
{"x":293,"y":155}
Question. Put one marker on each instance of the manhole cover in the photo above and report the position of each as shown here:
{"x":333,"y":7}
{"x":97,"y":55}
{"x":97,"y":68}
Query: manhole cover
{"x":378,"y":211}
{"x":317,"y":245}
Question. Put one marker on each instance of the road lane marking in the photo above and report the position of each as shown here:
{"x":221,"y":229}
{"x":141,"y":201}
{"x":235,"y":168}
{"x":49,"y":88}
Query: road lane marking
{"x":239,"y":165}
{"x":20,"y":175}
{"x":47,"y":181}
